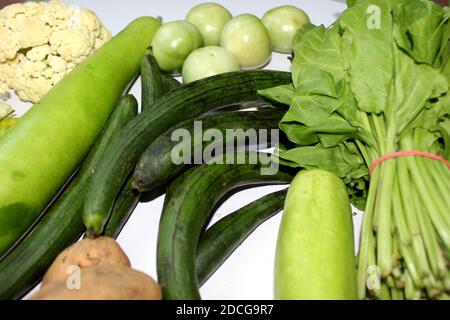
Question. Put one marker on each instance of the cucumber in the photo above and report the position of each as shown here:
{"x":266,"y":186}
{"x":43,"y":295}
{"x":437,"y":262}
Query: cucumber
{"x":156,"y":168}
{"x":219,"y":241}
{"x":41,"y":152}
{"x":151,"y":81}
{"x":154,"y":83}
{"x":187,"y":102}
{"x":128,"y":197}
{"x":62,"y":224}
{"x":315,"y":257}
{"x":124,"y":206}
{"x":169,"y":83}
{"x":189,"y":203}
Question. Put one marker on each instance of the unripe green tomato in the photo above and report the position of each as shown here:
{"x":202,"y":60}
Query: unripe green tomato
{"x":282,"y":23}
{"x":209,"y":18}
{"x":207,"y":62}
{"x":246,"y":37}
{"x":173,"y":42}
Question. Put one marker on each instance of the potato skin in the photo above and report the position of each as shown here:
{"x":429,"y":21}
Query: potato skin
{"x":86,"y":253}
{"x":104,"y":283}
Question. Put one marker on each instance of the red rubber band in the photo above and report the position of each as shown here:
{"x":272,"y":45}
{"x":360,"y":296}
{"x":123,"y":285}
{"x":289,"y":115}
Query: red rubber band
{"x":409,"y":154}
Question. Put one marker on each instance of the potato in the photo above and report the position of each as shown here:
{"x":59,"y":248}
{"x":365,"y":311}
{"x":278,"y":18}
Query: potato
{"x":83,"y":254}
{"x":103,"y":283}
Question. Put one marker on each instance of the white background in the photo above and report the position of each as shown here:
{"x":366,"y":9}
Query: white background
{"x":248,"y":273}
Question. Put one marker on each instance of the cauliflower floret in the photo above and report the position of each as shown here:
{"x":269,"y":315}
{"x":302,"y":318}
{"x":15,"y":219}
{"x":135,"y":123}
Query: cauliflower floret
{"x":42,"y":42}
{"x":3,"y":88}
{"x":30,"y":80}
{"x":71,"y":44}
{"x":57,"y":64}
{"x":57,"y":15}
{"x":104,"y":36}
{"x":33,"y":32}
{"x":9,"y":45}
{"x":7,"y":75}
{"x":39,"y":53}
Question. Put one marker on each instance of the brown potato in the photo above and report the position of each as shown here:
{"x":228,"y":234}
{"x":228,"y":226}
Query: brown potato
{"x":83,"y":254}
{"x":104,"y":283}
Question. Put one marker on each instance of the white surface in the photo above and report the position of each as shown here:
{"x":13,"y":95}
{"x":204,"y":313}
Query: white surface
{"x":248,"y":273}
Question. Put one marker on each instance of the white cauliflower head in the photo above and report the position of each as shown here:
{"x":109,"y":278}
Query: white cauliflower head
{"x":42,"y":42}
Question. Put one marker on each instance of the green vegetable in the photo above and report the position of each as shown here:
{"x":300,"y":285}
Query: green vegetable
{"x":5,"y":124}
{"x":282,"y":23}
{"x":126,"y":202}
{"x":6,"y":119}
{"x":156,"y":167}
{"x":184,"y":217}
{"x":152,"y":86}
{"x":154,"y":83}
{"x":173,"y":42}
{"x":128,"y":197}
{"x":5,"y":110}
{"x":315,"y":256}
{"x":246,"y":37}
{"x":50,"y":141}
{"x":219,"y":241}
{"x":374,"y":83}
{"x":208,"y":61}
{"x":62,"y":223}
{"x":187,"y":102}
{"x":209,"y":18}
{"x":169,"y":83}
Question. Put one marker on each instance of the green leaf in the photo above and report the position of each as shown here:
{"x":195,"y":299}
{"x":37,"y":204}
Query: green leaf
{"x":299,"y":35}
{"x":319,"y":48}
{"x":367,"y":28}
{"x":282,"y":94}
{"x":444,"y":129}
{"x":419,"y":30}
{"x":343,"y":160}
{"x":415,"y":84}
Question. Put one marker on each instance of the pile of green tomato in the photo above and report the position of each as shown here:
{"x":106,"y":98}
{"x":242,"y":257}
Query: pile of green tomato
{"x":210,"y":41}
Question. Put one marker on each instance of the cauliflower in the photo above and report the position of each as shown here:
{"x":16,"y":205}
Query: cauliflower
{"x":42,"y":42}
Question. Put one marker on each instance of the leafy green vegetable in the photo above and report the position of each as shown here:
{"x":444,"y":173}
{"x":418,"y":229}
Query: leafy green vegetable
{"x":6,"y":120}
{"x":374,"y":83}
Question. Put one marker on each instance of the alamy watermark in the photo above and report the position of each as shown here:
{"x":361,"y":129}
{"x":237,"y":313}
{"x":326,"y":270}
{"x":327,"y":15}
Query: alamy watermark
{"x":73,"y":281}
{"x":373,"y":280}
{"x":214,"y":146}
{"x":374,"y":17}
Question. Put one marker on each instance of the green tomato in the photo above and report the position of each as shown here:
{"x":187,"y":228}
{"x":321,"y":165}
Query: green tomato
{"x":282,"y":23}
{"x":246,"y":37}
{"x":209,"y":18}
{"x":208,"y":61}
{"x":173,"y":42}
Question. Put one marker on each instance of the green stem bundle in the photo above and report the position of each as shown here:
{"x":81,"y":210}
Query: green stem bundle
{"x":409,"y":200}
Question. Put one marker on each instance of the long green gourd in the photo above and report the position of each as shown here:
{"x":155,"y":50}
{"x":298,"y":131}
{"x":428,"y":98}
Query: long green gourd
{"x":40,"y":153}
{"x":315,"y":256}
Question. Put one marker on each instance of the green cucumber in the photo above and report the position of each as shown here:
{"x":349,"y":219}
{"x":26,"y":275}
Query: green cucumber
{"x":128,"y":197}
{"x":186,"y":102}
{"x":42,"y":151}
{"x":220,"y":240}
{"x":315,"y":256}
{"x":189,"y":203}
{"x":169,"y":83}
{"x":62,"y":224}
{"x":156,"y":168}
{"x":151,"y":81}
{"x":124,"y":206}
